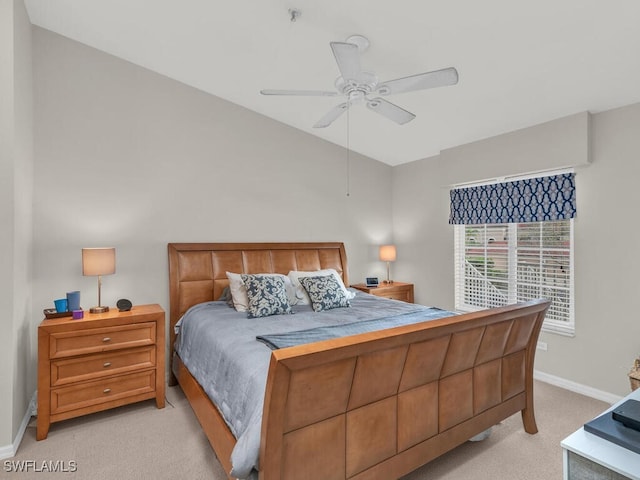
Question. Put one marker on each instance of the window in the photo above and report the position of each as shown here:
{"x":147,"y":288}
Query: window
{"x":514,"y":242}
{"x":501,"y":264}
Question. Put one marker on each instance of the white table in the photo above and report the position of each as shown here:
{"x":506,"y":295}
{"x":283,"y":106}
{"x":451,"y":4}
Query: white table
{"x":589,"y":457}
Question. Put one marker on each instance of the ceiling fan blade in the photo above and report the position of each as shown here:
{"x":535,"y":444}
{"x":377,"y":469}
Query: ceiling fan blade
{"x":331,"y":115}
{"x":389,"y":110}
{"x":421,"y":81}
{"x":348,"y":59}
{"x":309,"y":93}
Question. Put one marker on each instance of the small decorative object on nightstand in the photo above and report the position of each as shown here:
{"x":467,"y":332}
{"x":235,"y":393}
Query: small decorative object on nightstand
{"x":101,"y":361}
{"x":396,"y":290}
{"x":124,"y":305}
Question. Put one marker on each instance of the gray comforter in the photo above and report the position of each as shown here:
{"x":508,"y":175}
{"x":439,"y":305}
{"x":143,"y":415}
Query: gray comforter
{"x":218,"y":346}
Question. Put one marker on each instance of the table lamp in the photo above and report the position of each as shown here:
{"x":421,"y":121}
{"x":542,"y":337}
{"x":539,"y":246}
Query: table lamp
{"x":388,"y":254}
{"x":98,"y":261}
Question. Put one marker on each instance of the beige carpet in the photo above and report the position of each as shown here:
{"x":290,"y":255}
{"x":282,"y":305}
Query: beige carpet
{"x":142,"y":442}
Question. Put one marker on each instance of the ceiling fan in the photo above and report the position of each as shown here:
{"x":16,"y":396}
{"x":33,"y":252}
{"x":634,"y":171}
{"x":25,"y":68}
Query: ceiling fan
{"x":363,"y":87}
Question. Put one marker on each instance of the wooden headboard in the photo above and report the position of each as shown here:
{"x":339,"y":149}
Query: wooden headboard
{"x":197,"y":271}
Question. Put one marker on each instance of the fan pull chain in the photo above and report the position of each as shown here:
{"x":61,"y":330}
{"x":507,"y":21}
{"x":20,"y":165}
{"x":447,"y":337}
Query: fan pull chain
{"x":348,"y":154}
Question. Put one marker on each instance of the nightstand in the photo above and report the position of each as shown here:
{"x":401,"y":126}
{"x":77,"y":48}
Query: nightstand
{"x":396,"y":290}
{"x":101,"y":361}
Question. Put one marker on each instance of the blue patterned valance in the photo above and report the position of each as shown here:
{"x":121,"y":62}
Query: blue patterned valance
{"x":531,"y":200}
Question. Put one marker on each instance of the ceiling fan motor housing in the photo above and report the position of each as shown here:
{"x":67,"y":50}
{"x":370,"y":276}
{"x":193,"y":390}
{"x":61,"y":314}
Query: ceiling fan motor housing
{"x":357,"y":88}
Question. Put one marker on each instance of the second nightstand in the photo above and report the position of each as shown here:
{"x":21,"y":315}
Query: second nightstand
{"x":396,"y":290}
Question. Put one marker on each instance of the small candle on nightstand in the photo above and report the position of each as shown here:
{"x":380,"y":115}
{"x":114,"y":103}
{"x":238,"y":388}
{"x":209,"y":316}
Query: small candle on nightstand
{"x":78,"y":314}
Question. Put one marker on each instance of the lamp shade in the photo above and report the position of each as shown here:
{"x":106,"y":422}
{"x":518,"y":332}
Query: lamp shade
{"x":98,"y":261}
{"x":388,"y":253}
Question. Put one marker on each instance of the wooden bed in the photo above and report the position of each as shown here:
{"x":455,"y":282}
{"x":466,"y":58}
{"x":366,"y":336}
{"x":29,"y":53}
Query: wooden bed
{"x":376,"y":405}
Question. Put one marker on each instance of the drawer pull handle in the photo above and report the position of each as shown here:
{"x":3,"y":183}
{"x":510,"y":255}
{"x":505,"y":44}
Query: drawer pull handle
{"x":106,"y":339}
{"x":106,"y":390}
{"x":106,"y":364}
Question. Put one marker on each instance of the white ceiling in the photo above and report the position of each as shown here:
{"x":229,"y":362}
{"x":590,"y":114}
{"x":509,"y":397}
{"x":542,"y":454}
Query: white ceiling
{"x":520,"y":63}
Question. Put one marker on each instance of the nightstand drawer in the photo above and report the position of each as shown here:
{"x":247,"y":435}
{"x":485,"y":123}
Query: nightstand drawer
{"x":81,"y":342}
{"x":399,"y":294}
{"x":91,"y":367}
{"x":87,"y":394}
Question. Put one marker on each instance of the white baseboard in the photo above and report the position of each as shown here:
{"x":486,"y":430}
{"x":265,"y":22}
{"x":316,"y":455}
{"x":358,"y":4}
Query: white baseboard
{"x":577,"y":387}
{"x":9,"y":451}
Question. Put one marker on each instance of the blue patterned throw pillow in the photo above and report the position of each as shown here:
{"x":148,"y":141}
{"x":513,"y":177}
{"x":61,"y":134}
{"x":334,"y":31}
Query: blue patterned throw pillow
{"x":267,"y":295}
{"x":324,"y":292}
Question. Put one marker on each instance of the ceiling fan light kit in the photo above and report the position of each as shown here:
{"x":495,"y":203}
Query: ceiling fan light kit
{"x":357,"y":85}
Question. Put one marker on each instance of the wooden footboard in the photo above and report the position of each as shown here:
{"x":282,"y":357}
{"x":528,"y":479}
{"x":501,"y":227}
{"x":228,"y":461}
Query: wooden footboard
{"x":379,"y":405}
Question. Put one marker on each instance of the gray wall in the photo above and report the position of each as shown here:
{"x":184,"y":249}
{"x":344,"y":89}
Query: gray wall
{"x":131,"y":159}
{"x":606,"y":339}
{"x":7,"y":353}
{"x":17,"y":362}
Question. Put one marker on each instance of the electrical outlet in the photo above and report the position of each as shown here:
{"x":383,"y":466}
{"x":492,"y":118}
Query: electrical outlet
{"x":542,"y":346}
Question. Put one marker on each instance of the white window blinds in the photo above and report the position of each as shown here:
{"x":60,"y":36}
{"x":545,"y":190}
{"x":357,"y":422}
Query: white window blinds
{"x":507,"y":263}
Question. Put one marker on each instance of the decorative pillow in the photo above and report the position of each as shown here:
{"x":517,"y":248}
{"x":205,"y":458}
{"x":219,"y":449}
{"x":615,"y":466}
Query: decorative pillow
{"x":302,"y":298}
{"x":267,"y":295}
{"x":324,"y":292}
{"x":239,"y":291}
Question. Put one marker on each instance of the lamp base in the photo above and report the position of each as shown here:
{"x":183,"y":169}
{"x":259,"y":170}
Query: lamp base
{"x":388,"y":280}
{"x":98,"y":309}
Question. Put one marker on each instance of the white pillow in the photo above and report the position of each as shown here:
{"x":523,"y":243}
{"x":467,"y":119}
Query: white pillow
{"x":239,"y":291}
{"x":300,"y":293}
